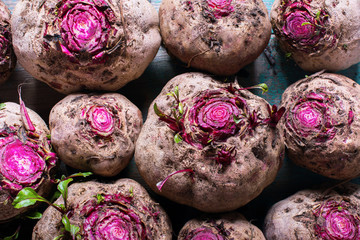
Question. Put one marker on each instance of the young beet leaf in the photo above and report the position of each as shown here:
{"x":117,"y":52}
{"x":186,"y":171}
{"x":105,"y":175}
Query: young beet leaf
{"x":27,"y":197}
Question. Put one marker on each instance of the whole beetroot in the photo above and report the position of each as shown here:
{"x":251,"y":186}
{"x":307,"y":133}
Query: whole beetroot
{"x":316,"y":214}
{"x":26,"y":159}
{"x":95,"y":132}
{"x":226,"y":226}
{"x":209,"y":145}
{"x":7,"y":55}
{"x":218,"y":36}
{"x":90,"y":44}
{"x":320,"y":125}
{"x":119,"y":210}
{"x":318,"y":34}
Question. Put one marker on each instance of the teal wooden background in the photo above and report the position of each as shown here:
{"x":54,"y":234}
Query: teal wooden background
{"x":277,"y":73}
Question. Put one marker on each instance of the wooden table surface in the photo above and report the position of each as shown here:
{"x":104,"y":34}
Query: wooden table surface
{"x":271,"y":68}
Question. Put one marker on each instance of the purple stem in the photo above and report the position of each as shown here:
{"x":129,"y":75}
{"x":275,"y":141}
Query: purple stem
{"x":24,"y":114}
{"x":160,"y":184}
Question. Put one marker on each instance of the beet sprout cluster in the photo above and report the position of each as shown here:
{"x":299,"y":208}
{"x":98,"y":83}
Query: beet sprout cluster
{"x":212,"y":117}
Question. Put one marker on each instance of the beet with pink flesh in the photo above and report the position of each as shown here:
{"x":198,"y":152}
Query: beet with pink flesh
{"x":26,"y":159}
{"x":327,"y":214}
{"x":318,"y":34}
{"x":119,"y":210}
{"x":102,"y":44}
{"x":95,"y":132}
{"x":320,"y":125}
{"x":214,"y":147}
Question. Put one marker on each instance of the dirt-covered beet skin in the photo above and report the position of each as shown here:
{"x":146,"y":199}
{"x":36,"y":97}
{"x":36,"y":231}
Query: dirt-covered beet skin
{"x":222,"y":227}
{"x":124,"y":211}
{"x":318,"y":34}
{"x":95,"y":132}
{"x":320,"y":125}
{"x":320,"y":213}
{"x":217,"y":36}
{"x":228,"y":153}
{"x":7,"y":55}
{"x":26,"y":159}
{"x":92,"y":44}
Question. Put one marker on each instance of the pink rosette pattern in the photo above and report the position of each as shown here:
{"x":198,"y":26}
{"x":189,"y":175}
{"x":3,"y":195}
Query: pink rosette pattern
{"x":305,"y":28}
{"x":211,"y":118}
{"x":220,"y":8}
{"x":113,"y":218}
{"x":202,"y":234}
{"x":101,"y":119}
{"x":84,"y":27}
{"x":337,"y":221}
{"x":310,"y":117}
{"x":24,"y":160}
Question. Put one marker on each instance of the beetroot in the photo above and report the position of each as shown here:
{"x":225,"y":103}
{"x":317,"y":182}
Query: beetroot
{"x":217,"y":36}
{"x":320,"y":125}
{"x":119,"y":210}
{"x":209,"y":145}
{"x":7,"y":56}
{"x":26,"y":159}
{"x":91,"y":44}
{"x":318,"y":34}
{"x":328,"y":214}
{"x":226,"y":226}
{"x":95,"y":132}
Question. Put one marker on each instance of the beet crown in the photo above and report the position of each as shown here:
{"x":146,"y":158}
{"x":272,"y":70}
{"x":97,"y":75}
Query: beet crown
{"x":113,"y":217}
{"x":305,"y":28}
{"x":337,"y":221}
{"x":85,"y":27}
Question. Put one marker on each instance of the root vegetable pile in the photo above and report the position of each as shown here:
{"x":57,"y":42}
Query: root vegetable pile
{"x":95,"y":132}
{"x":320,"y":125}
{"x":26,"y":159}
{"x":210,"y":145}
